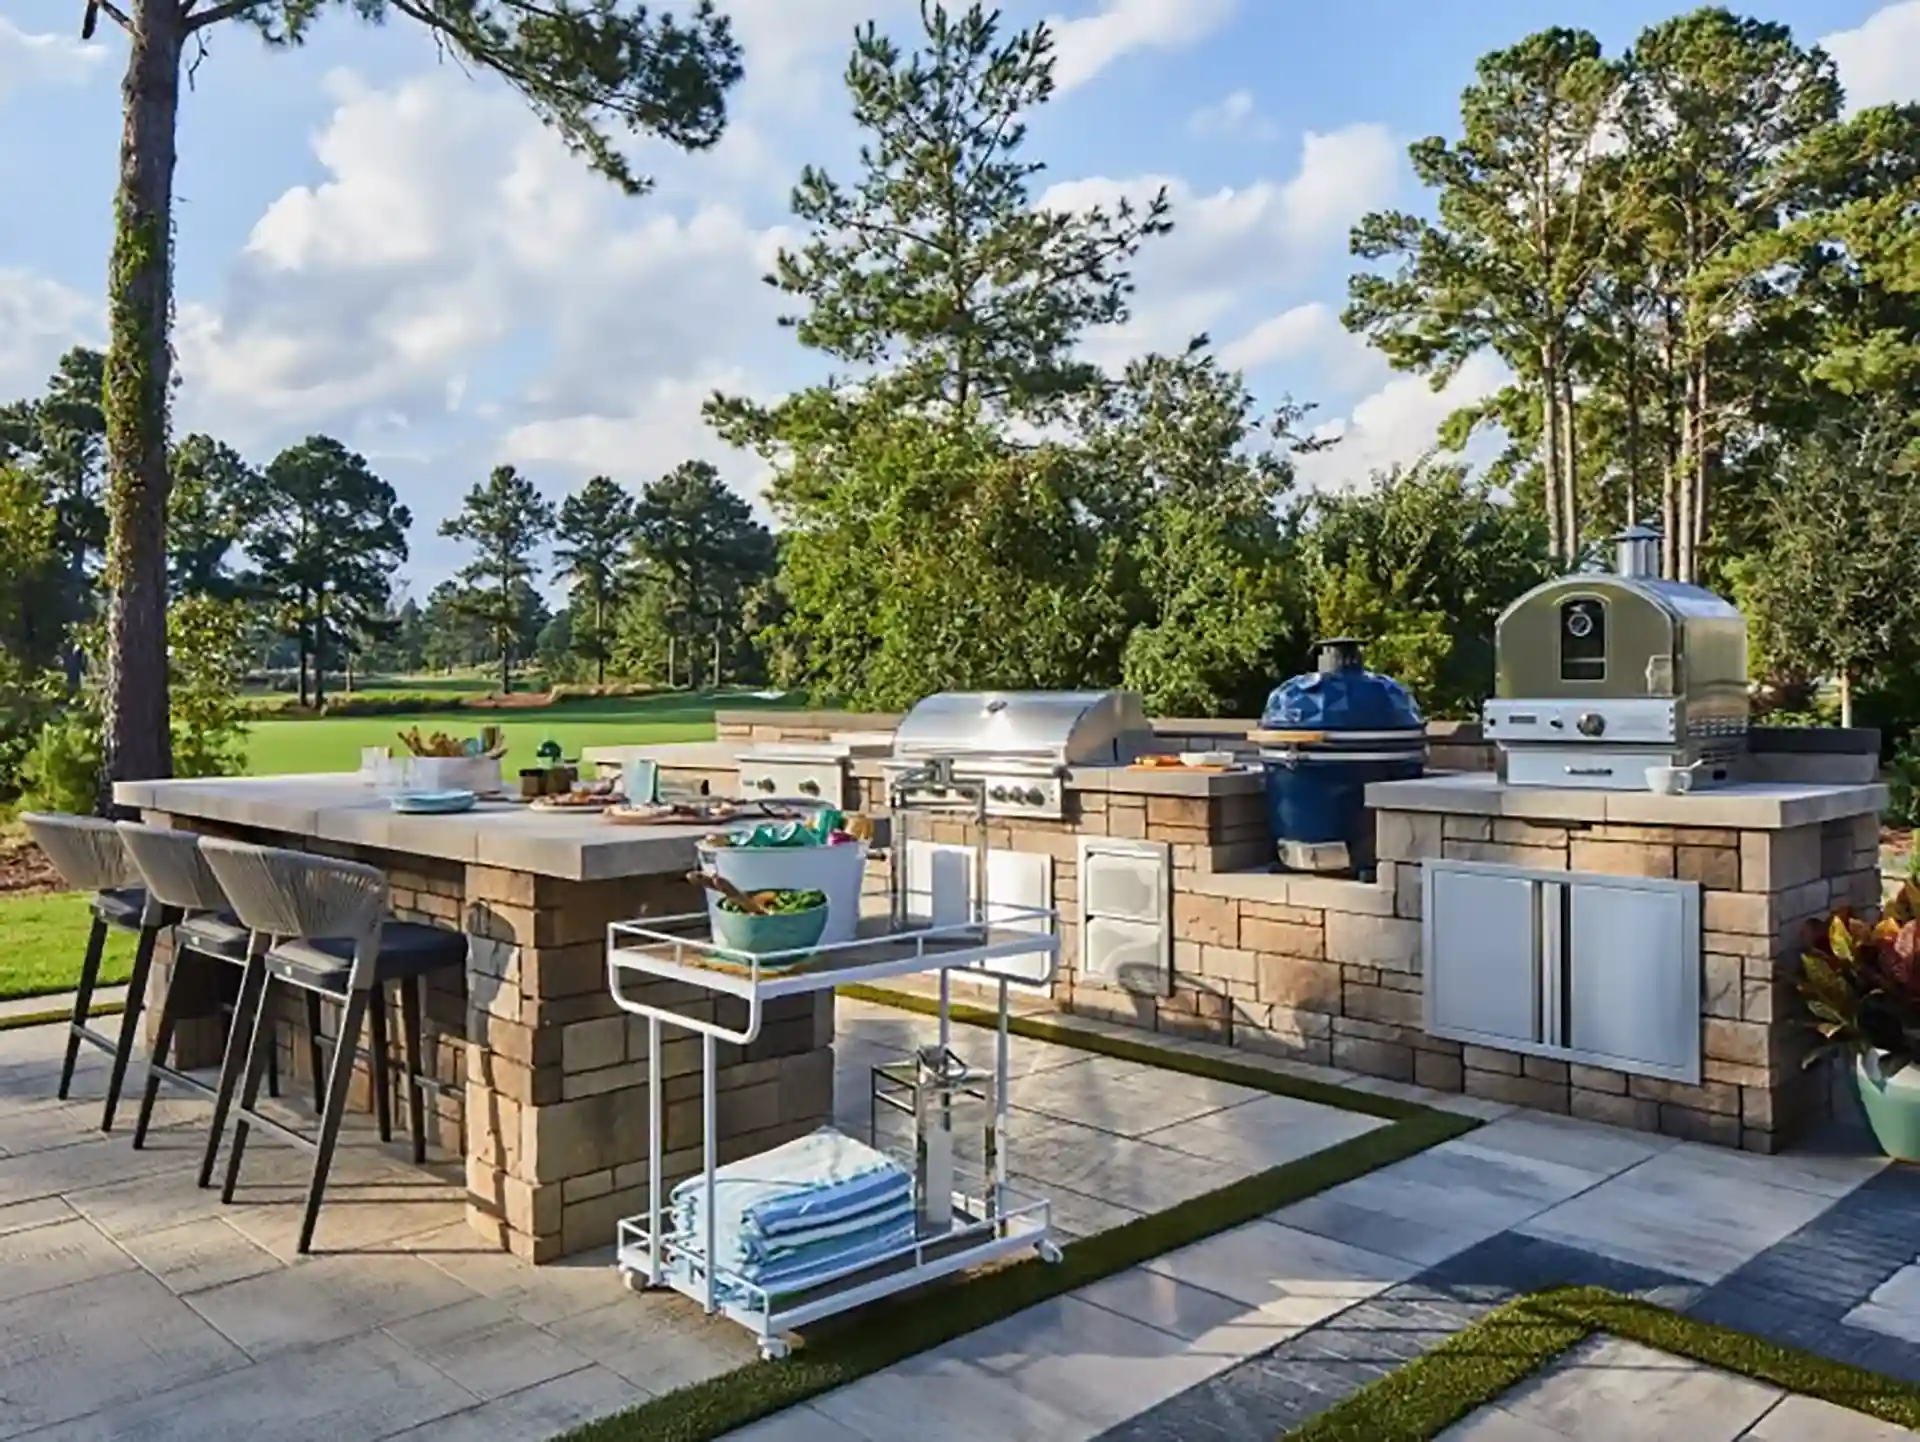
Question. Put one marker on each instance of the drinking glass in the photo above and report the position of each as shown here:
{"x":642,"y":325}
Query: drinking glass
{"x":373,"y":761}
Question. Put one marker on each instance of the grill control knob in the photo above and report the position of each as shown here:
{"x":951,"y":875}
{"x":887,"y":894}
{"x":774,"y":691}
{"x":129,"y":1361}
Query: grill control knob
{"x":1035,"y":796}
{"x":999,"y":793}
{"x":765,"y":783}
{"x":1591,"y":723}
{"x":809,"y":788}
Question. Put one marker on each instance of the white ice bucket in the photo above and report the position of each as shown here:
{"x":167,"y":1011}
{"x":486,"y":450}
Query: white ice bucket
{"x":837,"y":870}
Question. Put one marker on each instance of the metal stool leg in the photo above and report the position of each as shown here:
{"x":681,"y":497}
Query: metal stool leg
{"x":129,"y":1022}
{"x":316,"y":1058}
{"x":336,"y":1103}
{"x":379,"y":1067}
{"x":162,"y":1044}
{"x":415,"y":1066}
{"x":250,"y":1090}
{"x":82,"y":1002}
{"x":250,"y":1002}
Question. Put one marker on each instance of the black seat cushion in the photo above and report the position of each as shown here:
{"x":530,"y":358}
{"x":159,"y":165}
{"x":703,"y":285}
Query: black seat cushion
{"x":124,"y":906}
{"x":407,"y":949}
{"x":216,"y":934}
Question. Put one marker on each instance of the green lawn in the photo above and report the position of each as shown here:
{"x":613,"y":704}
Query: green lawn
{"x":42,"y":941}
{"x":334,"y":743}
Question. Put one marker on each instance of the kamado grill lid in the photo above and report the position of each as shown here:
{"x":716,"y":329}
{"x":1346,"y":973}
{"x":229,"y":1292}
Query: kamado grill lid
{"x":1339,"y":696}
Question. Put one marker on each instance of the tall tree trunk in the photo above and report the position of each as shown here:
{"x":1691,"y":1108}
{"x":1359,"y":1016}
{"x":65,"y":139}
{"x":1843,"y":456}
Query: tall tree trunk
{"x":1632,"y":517}
{"x":1569,"y":467}
{"x":1702,"y":465}
{"x":1689,"y":460}
{"x":135,"y":702}
{"x":600,"y":640}
{"x":320,"y":653}
{"x":1550,"y":459}
{"x":672,"y":658}
{"x":1669,"y":471}
{"x":303,"y":667}
{"x":1846,"y":696}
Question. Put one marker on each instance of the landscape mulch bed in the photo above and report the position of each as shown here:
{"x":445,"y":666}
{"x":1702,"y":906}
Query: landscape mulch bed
{"x":24,"y":870}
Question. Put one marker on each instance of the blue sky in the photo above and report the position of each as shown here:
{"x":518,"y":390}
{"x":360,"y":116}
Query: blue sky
{"x":375,"y":245}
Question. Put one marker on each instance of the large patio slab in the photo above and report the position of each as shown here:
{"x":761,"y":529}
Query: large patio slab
{"x":133,"y":1305}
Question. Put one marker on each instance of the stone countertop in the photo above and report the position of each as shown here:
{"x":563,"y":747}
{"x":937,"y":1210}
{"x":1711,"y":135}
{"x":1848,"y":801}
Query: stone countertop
{"x":1122,"y":780}
{"x":340,"y":808}
{"x":1747,"y":806}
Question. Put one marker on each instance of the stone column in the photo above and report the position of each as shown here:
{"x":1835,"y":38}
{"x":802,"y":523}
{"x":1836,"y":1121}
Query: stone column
{"x":556,"y":1073}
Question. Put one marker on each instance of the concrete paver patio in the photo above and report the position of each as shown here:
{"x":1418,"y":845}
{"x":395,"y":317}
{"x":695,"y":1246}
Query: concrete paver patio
{"x":134,"y":1305}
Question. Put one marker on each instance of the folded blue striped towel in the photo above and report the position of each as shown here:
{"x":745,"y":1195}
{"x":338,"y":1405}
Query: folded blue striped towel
{"x":819,"y":1179}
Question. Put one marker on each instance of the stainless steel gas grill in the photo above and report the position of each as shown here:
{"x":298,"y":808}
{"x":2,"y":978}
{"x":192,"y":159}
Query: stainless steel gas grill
{"x":1601,"y":676}
{"x":1021,"y":744}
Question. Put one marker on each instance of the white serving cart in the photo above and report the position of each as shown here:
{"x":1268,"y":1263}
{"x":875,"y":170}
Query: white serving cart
{"x":722,"y":996}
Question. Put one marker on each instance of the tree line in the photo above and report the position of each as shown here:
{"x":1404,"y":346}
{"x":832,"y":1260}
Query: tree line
{"x":1696,"y":268}
{"x":293,"y":566}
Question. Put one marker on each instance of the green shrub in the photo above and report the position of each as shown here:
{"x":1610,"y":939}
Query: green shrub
{"x":1903,"y":783}
{"x":27,"y":703}
{"x":388,"y":703}
{"x":62,"y":771}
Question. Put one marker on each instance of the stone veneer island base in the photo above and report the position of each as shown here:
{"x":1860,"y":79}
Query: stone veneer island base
{"x":1332,"y":971}
{"x":541,"y":1078}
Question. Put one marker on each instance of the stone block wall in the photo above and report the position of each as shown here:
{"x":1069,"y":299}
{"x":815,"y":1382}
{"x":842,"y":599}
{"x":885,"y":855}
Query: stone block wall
{"x":540,"y":1077}
{"x":1330,"y":971}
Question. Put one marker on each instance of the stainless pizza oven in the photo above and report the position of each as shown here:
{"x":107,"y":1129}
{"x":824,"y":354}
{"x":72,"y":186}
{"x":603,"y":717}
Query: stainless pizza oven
{"x":1600,"y":676}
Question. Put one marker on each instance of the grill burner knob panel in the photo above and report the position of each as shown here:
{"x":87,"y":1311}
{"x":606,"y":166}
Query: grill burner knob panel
{"x":1591,"y":723}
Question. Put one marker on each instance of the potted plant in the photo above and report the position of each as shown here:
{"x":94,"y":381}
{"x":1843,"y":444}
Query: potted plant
{"x":1861,"y":981}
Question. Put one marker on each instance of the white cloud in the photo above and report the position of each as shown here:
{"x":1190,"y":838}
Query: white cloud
{"x":28,"y":59}
{"x":1237,"y":115}
{"x":453,"y":265}
{"x":39,"y":319}
{"x":1087,"y":45}
{"x":1879,"y":59}
{"x":1396,"y":424}
{"x":1234,"y":242}
{"x":1309,"y":335}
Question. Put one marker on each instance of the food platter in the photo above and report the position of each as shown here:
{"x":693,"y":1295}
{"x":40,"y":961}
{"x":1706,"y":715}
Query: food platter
{"x":575,"y":803}
{"x":707,"y":811}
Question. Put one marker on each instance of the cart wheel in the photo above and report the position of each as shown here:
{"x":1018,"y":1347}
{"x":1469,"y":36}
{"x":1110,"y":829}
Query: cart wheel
{"x":1050,"y":1252}
{"x":636,"y":1281}
{"x":774,"y":1349}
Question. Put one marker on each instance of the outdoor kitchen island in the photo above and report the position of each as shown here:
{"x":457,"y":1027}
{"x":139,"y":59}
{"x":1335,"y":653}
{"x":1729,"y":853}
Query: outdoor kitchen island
{"x":1616,"y":955}
{"x":543,"y":1078}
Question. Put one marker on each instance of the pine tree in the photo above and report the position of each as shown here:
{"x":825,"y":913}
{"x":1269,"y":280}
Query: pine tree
{"x":506,"y":521}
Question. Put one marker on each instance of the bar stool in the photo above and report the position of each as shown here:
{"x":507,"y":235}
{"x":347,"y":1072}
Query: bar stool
{"x":87,"y":853}
{"x":178,"y":878}
{"x":320,"y":927}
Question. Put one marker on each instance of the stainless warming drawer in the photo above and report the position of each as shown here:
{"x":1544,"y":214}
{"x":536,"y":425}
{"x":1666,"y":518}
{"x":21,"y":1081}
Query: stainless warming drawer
{"x":1603,"y":970}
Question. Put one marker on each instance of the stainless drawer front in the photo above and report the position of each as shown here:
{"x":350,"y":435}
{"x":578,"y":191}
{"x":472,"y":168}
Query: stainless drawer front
{"x":1595,"y":769}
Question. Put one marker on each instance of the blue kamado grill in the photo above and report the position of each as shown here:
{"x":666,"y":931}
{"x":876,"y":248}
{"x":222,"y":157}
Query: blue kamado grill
{"x":1322,"y":738}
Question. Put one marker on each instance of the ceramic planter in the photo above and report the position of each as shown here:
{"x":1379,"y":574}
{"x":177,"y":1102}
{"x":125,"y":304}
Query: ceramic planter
{"x":1893,"y":1109}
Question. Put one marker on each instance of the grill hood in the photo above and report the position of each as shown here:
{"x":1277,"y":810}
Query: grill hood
{"x":1058,"y":728}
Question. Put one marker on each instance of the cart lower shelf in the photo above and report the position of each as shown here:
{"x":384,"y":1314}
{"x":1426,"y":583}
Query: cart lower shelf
{"x":1022,"y":1226}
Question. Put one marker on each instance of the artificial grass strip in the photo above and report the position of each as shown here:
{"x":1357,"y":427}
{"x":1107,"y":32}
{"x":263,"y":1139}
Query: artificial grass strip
{"x":907,"y":1325}
{"x":1255,"y":1078}
{"x":49,"y":1018}
{"x":1480,"y":1364}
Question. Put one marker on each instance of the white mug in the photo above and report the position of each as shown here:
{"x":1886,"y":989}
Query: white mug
{"x":1670,"y":780}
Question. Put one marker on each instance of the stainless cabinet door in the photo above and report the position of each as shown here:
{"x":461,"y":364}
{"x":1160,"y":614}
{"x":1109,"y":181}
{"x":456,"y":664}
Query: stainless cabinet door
{"x":1482,"y":954}
{"x":1633,"y":974}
